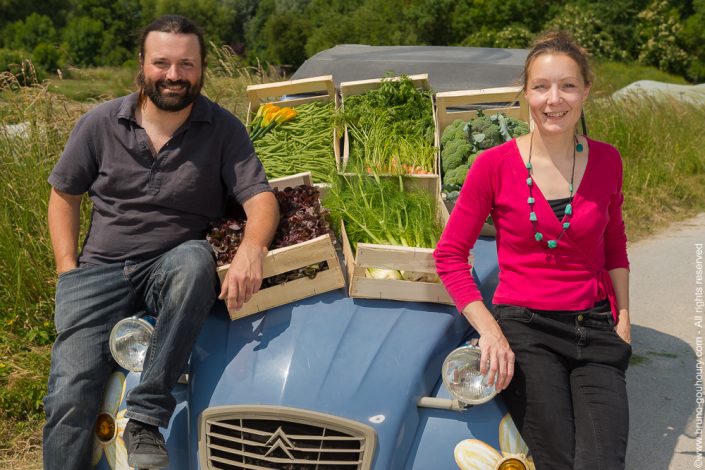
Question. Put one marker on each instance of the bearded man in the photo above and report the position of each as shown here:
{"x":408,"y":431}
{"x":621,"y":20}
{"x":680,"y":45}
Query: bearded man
{"x":157,"y":165}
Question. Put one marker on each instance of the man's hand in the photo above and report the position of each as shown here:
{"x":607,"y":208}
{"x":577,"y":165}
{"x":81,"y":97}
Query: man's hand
{"x":244,"y":276}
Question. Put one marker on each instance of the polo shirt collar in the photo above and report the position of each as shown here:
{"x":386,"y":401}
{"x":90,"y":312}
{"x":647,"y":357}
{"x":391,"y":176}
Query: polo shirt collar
{"x":201,"y":111}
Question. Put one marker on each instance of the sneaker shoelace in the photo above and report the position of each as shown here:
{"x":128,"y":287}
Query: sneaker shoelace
{"x":147,"y":438}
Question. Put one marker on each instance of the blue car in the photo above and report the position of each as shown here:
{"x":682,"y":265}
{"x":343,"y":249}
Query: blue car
{"x":329,"y":382}
{"x":332,"y":382}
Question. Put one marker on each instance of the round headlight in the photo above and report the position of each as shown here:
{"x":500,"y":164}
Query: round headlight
{"x":129,"y":341}
{"x":512,"y":463}
{"x":462,"y":378}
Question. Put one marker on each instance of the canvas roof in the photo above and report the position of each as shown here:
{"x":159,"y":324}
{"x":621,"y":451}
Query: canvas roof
{"x":449,"y":68}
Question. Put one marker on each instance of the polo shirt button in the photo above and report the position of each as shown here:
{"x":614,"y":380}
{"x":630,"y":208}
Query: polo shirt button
{"x":581,"y":317}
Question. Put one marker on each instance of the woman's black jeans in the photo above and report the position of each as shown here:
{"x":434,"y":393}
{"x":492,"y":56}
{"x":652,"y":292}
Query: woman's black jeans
{"x":568,"y":396}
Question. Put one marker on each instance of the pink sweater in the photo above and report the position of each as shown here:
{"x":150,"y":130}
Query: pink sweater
{"x":572,"y":276}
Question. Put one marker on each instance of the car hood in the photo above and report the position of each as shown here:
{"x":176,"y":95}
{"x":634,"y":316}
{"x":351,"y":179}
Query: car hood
{"x":366,"y":360}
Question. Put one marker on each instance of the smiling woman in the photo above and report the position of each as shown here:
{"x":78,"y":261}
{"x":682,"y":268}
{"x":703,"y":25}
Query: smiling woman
{"x":556,"y":201}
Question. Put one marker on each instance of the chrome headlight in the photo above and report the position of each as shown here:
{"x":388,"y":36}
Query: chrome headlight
{"x":129,"y":341}
{"x":461,"y":376}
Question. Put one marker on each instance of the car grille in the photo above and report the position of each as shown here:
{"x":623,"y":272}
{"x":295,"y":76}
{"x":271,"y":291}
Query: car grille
{"x":266,"y":437}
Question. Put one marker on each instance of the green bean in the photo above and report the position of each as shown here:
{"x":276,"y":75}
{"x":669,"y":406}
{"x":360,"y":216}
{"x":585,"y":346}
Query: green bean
{"x":303,"y":144}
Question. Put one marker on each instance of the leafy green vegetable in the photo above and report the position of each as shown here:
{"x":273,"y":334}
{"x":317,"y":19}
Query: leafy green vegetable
{"x":380,"y":210}
{"x":303,"y":144}
{"x":462,"y":141}
{"x":390,"y":128}
{"x":456,"y":176}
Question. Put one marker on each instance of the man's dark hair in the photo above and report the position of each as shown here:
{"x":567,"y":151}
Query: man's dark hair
{"x":175,"y":24}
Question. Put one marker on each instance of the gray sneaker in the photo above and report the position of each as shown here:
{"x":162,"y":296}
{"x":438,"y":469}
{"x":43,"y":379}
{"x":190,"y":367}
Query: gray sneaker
{"x":145,"y":446}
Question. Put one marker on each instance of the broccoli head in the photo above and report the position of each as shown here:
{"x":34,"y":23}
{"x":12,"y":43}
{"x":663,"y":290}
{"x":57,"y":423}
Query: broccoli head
{"x":454,"y":154}
{"x":485,"y":133}
{"x":454,"y":131}
{"x":456,"y":176}
{"x":519,"y":128}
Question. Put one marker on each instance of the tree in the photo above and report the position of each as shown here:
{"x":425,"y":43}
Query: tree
{"x":693,"y":37}
{"x":286,"y":35}
{"x":30,"y":32}
{"x":216,"y":17}
{"x":83,"y":38}
{"x":658,"y":27}
{"x":586,"y":25}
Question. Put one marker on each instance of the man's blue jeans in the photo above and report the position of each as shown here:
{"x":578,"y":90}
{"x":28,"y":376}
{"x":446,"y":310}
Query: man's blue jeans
{"x":178,"y":287}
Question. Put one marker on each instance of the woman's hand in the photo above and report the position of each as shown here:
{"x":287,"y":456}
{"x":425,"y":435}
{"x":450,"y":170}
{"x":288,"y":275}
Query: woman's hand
{"x":624,"y":327}
{"x":496,"y":356}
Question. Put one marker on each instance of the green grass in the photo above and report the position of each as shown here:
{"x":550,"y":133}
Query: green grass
{"x":27,"y":280}
{"x":611,"y":76}
{"x":664,"y":165}
{"x":95,"y":84}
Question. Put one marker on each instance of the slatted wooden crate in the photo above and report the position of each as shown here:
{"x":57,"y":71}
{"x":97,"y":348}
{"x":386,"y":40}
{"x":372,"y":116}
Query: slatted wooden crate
{"x":359,"y":87}
{"x":464,"y":104}
{"x":282,"y":260}
{"x":400,"y":258}
{"x":293,"y":93}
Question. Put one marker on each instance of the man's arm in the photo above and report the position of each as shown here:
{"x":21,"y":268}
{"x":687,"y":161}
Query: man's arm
{"x":64,"y":224}
{"x":244,"y":276}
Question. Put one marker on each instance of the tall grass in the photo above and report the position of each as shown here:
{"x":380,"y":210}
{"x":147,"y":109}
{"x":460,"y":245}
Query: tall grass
{"x":663,"y":157}
{"x":227,"y":78}
{"x":611,"y":76}
{"x":93,"y":84}
{"x":35,"y":125}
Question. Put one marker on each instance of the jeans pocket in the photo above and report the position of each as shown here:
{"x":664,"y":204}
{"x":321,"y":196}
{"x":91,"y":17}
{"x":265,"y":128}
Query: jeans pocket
{"x":72,"y":272}
{"x":512,"y":313}
{"x":597,"y":320}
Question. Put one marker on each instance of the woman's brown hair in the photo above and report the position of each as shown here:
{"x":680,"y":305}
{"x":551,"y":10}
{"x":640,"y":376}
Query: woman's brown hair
{"x":558,"y":42}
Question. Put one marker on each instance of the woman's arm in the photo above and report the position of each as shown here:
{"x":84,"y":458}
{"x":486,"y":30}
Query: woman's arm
{"x":620,"y":281}
{"x":451,"y":256}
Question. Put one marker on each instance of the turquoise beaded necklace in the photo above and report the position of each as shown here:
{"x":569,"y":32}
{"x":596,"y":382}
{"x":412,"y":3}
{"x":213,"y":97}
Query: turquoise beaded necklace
{"x":538,"y":236}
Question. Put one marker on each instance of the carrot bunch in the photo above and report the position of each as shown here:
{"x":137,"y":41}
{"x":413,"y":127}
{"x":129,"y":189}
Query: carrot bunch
{"x":398,"y":168}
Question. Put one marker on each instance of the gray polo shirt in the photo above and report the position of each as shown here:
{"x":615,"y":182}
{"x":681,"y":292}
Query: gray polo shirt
{"x":144,"y":205}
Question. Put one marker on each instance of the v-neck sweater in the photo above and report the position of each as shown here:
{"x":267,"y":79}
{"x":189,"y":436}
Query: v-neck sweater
{"x":572,"y":276}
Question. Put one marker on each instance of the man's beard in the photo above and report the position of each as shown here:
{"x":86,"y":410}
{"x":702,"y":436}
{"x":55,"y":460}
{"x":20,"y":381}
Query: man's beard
{"x":170,"y":101}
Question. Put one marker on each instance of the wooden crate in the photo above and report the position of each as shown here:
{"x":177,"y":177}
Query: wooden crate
{"x":361,"y":86}
{"x":401,"y":258}
{"x":293,"y":93}
{"x":286,"y":259}
{"x":464,"y":104}
{"x":452,"y":105}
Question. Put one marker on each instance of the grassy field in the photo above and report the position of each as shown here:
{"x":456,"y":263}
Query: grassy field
{"x":664,"y":181}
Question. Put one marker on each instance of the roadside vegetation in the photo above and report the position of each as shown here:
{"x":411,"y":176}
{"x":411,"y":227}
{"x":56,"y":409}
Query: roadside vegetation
{"x":664,"y":182}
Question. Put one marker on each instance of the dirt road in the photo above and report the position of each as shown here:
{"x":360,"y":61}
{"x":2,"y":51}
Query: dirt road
{"x":664,"y":381}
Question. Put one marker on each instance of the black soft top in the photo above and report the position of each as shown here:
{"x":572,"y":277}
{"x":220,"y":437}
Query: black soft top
{"x":448,"y":68}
